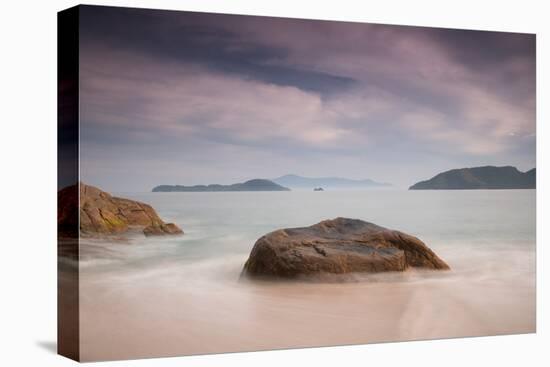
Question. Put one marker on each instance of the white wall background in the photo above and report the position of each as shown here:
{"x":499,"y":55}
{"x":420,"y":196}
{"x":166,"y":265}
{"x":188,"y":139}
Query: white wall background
{"x":28,"y":181}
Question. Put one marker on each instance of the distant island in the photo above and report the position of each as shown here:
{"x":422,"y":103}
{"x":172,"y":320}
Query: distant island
{"x":300,"y":182}
{"x":487,"y":177}
{"x":251,"y":185}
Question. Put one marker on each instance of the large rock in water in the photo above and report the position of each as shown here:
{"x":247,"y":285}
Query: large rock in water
{"x":338,"y":246}
{"x":103,"y":214}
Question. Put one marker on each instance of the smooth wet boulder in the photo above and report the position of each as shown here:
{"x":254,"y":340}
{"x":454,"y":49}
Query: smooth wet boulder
{"x":100,"y":213}
{"x":338,"y":246}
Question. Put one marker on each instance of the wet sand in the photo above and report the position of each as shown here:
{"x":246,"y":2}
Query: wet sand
{"x":173,"y":312}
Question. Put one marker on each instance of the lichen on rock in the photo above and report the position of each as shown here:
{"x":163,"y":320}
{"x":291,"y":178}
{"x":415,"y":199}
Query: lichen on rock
{"x":99,"y":213}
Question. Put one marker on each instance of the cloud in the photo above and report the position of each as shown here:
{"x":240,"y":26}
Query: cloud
{"x":163,"y":98}
{"x":192,"y":87}
{"x":197,"y":38}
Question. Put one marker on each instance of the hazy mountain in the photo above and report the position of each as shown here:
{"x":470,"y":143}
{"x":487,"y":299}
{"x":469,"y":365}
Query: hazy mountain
{"x":252,"y":185}
{"x":487,"y":177}
{"x":295,"y":181}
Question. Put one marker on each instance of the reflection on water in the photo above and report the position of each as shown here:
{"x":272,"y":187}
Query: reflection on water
{"x":183,"y":295}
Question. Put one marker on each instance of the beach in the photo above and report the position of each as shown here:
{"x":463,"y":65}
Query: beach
{"x":184,"y":295}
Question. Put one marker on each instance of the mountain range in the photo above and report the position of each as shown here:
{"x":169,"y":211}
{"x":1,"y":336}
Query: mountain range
{"x":300,"y":182}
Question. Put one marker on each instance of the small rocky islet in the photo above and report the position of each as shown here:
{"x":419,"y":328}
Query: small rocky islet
{"x":337,"y":246}
{"x":97,"y":213}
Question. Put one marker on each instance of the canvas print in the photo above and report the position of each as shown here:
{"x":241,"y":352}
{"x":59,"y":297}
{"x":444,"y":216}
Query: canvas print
{"x":238,"y":183}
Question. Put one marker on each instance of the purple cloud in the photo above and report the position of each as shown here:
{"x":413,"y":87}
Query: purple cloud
{"x":233,"y":92}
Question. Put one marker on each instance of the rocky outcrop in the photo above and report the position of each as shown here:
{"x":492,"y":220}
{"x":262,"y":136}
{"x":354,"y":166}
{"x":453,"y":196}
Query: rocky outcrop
{"x":338,"y":246}
{"x":100,"y":213}
{"x":162,"y":229}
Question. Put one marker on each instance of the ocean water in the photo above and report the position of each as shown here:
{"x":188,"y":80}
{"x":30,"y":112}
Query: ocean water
{"x":147,"y":297}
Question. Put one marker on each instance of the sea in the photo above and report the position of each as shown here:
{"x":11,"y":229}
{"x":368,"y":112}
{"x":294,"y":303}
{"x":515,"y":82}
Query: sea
{"x":165,"y":296}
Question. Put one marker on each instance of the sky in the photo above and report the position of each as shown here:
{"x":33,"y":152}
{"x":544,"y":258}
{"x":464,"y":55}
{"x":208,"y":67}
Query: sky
{"x":188,"y":98}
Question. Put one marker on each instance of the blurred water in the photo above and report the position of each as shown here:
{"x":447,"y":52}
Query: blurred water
{"x":225,"y":225}
{"x":187,"y":289}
